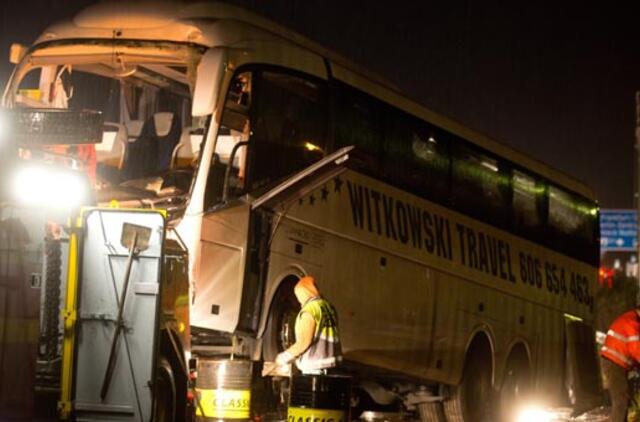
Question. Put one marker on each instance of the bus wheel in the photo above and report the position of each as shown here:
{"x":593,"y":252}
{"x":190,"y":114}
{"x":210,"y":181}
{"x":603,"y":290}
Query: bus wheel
{"x":473,"y":400}
{"x":280,"y":332}
{"x":431,"y":412}
{"x":164,"y":407}
{"x":516,"y":384}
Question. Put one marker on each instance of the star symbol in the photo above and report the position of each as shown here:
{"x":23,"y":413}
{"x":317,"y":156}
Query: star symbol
{"x":312,"y":199}
{"x":325,"y":193}
{"x":337,"y":184}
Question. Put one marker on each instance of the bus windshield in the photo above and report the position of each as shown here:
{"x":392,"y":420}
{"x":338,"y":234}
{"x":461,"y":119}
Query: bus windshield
{"x":274,"y":124}
{"x":150,"y":142}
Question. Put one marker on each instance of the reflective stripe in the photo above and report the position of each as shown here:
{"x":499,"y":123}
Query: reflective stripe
{"x":617,"y":354}
{"x":616,"y":336}
{"x":329,"y":339}
{"x":620,"y":337}
{"x":319,"y":363}
{"x":325,"y":347}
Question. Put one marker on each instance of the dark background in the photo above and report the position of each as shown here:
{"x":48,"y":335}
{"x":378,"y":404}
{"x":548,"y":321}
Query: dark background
{"x":556,"y":81}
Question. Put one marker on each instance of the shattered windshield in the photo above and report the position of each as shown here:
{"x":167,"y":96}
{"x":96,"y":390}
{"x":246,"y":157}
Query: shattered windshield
{"x":150,"y":142}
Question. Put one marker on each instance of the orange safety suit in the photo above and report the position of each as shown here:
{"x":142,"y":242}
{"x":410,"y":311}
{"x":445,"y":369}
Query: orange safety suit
{"x":622,"y":345}
{"x":84,"y":153}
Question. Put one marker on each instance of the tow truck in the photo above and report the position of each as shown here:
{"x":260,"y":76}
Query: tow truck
{"x":94,"y":224}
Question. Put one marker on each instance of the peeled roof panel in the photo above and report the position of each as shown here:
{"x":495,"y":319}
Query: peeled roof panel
{"x":194,"y":23}
{"x":124,"y":15}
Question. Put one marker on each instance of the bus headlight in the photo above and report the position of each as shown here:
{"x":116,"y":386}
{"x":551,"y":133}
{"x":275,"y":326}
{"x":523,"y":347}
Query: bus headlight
{"x":49,"y":186}
{"x":533,"y":413}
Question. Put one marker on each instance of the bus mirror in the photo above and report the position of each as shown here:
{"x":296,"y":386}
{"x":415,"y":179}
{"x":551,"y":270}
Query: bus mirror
{"x":209,"y":77}
{"x":17,"y":52}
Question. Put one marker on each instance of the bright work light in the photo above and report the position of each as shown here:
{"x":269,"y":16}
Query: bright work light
{"x":49,"y":186}
{"x":533,"y":413}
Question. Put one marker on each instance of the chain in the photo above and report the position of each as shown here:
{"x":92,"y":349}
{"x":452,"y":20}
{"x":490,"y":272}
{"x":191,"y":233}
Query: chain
{"x":51,"y":309}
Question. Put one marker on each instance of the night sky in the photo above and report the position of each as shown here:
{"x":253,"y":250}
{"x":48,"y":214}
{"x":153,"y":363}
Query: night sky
{"x":555,"y":81}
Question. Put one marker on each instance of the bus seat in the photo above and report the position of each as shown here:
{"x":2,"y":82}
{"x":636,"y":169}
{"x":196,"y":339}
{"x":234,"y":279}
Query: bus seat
{"x":182,"y":151}
{"x":142,"y":150}
{"x":163,"y":121}
{"x":110,"y":151}
{"x":134,"y":129}
{"x":187,"y":149}
{"x":167,"y":130}
{"x":150,"y":153}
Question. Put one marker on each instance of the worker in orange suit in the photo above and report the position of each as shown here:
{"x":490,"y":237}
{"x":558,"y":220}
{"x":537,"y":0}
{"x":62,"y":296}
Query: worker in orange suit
{"x":317,"y":347}
{"x":621,"y":356}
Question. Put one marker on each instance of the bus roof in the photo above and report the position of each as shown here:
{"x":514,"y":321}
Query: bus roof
{"x":192,"y":24}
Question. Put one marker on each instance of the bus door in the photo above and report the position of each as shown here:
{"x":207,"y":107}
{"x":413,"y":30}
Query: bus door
{"x":223,"y":301}
{"x":267,"y":211}
{"x":273,"y":126}
{"x":220,"y":265}
{"x":582,"y":370}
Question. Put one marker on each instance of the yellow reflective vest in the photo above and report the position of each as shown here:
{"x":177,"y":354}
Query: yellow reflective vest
{"x":325,"y":351}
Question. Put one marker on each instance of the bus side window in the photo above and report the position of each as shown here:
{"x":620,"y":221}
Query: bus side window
{"x":289,"y":127}
{"x":525,"y":206}
{"x":478,"y":185}
{"x":573,"y":220}
{"x":234,"y":128}
{"x":358,"y":122}
{"x":416,"y":157}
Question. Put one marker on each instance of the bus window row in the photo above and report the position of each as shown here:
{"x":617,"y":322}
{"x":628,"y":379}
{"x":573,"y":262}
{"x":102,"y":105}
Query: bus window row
{"x":437,"y":165}
{"x":277,"y":122}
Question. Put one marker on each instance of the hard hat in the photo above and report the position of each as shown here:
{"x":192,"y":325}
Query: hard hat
{"x":308,"y":285}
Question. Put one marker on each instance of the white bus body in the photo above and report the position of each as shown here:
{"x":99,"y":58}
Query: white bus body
{"x":426,"y":285}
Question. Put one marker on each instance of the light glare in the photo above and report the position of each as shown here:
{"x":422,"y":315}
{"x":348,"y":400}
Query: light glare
{"x":312,"y":147}
{"x":534,"y":413}
{"x":49,"y":187}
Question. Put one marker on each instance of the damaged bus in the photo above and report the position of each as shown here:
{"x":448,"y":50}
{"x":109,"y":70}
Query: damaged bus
{"x":463,"y":272}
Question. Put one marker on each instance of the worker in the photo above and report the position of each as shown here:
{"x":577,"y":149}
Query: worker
{"x":621,"y":356}
{"x":317,"y":347}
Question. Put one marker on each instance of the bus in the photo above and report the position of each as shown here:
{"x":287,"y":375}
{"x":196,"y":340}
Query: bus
{"x":463,"y":271}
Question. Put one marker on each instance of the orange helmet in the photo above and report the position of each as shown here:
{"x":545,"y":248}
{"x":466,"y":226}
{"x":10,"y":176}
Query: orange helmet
{"x":308,"y":285}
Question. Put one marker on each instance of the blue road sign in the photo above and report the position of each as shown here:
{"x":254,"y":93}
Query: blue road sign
{"x":618,"y":230}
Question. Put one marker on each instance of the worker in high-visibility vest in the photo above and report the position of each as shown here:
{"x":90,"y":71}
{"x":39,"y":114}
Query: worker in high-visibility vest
{"x":621,"y":356}
{"x":317,"y":347}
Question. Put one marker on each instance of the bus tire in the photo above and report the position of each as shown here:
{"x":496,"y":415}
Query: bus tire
{"x":171,"y":361}
{"x":280,"y":331}
{"x":164,"y":404}
{"x":516,"y":383}
{"x":431,"y":412}
{"x":473,"y":400}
